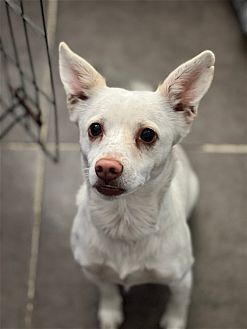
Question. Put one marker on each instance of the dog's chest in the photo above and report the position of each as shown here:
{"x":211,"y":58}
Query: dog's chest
{"x":160,"y":252}
{"x":127,"y":276}
{"x":130,"y":264}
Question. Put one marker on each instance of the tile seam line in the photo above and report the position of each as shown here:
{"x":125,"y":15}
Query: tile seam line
{"x":208,"y":148}
{"x":37,"y":209}
{"x":39,"y":185}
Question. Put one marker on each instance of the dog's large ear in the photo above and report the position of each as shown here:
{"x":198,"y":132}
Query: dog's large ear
{"x":79,"y":78}
{"x":185,"y":87}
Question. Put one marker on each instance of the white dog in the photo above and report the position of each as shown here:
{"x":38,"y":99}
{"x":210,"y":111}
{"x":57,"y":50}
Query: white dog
{"x":139,"y":188}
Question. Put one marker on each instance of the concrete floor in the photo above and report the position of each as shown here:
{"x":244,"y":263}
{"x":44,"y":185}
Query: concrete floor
{"x":142,"y":41}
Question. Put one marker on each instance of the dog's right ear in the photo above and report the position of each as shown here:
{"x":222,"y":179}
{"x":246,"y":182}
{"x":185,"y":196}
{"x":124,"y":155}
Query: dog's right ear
{"x":184,"y":88}
{"x":79,"y":78}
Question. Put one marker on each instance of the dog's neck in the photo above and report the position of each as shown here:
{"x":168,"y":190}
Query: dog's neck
{"x":134,"y":216}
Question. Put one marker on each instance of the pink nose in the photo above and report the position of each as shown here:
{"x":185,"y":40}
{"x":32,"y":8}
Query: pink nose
{"x":108,"y":169}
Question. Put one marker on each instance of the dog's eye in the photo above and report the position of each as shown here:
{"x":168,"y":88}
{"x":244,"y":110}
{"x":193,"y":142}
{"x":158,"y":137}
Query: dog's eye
{"x":95,"y":129}
{"x":148,"y":135}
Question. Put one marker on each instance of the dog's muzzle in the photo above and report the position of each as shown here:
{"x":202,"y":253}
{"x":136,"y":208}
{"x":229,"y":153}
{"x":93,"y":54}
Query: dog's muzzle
{"x":108,"y":170}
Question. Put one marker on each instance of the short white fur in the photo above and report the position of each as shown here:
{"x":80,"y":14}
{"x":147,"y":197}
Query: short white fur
{"x":142,"y":235}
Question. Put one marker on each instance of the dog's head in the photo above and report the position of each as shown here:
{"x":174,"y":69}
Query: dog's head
{"x":126,"y":136}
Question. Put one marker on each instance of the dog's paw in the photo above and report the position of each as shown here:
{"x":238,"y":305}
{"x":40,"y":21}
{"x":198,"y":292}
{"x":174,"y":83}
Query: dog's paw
{"x":110,"y":318}
{"x":172,"y":322}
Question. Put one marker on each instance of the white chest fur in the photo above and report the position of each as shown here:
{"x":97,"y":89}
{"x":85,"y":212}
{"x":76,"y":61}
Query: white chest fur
{"x":158,"y":249}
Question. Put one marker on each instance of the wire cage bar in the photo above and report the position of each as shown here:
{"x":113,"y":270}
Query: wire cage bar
{"x":25,"y":94}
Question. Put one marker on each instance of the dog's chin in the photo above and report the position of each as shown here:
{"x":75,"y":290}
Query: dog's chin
{"x":109,"y":191}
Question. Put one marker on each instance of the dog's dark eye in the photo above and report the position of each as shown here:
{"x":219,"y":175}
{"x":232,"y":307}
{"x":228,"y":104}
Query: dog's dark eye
{"x":148,"y":135}
{"x":95,"y":129}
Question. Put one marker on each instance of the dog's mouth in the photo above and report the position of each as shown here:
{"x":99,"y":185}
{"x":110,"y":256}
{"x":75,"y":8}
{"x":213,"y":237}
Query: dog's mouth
{"x":109,"y":190}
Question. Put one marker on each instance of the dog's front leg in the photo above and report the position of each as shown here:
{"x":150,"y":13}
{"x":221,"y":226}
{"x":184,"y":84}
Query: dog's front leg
{"x":110,"y":313}
{"x":175,"y":316}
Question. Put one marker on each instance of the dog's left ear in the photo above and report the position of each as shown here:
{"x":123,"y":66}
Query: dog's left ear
{"x":79,"y":78}
{"x":185,"y":87}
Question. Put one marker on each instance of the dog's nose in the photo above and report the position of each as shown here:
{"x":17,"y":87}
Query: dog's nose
{"x":108,"y":169}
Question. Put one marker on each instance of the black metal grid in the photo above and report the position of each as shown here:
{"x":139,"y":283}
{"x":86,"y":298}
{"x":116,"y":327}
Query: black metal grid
{"x":21,"y":93}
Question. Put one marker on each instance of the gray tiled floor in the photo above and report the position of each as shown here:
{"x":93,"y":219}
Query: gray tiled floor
{"x":17,"y":186}
{"x":219,"y":232}
{"x":144,"y":41}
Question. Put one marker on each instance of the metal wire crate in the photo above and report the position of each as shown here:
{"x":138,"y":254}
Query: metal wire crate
{"x":27,"y":98}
